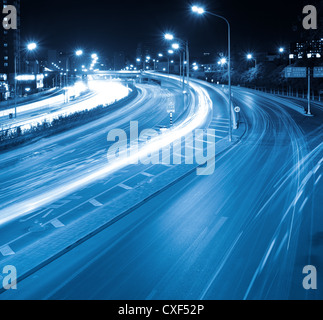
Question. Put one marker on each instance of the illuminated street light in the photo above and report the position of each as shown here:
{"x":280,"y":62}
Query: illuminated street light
{"x":201,"y":11}
{"x":171,"y":51}
{"x":281,"y":50}
{"x":223,"y":61}
{"x":32,"y":46}
{"x":198,"y":10}
{"x":250,"y":57}
{"x":175,"y":46}
{"x":169,"y":36}
{"x":79,"y":52}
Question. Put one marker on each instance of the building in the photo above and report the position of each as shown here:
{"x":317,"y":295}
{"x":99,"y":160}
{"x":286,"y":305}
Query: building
{"x":307,"y":49}
{"x":9,"y":51}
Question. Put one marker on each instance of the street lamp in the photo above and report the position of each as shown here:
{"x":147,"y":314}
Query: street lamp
{"x":169,"y":37}
{"x":78,"y":53}
{"x":30,"y":47}
{"x":176,"y":46}
{"x":201,"y":11}
{"x":250,"y":57}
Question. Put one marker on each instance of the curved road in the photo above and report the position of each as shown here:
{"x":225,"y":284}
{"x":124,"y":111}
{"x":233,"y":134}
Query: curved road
{"x":245,"y":232}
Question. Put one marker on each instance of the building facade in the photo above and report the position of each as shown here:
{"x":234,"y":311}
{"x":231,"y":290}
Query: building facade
{"x":9,"y":52}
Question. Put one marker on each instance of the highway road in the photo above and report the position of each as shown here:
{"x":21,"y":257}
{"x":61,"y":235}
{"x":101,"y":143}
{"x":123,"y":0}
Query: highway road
{"x":244,"y":232}
{"x":79,"y":97}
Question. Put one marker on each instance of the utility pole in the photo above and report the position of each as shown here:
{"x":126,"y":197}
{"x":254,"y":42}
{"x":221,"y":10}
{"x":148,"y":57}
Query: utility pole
{"x":309,"y":93}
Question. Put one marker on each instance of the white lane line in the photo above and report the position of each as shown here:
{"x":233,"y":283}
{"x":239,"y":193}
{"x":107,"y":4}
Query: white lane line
{"x":220,"y":120}
{"x":121,"y":185}
{"x":34,"y":215}
{"x":219,"y":269}
{"x":96,"y":203}
{"x":220,"y":130}
{"x":59,"y":204}
{"x":57,"y":224}
{"x":147,"y":174}
{"x":47,"y":214}
{"x":194,"y":148}
{"x":303,"y":205}
{"x":317,"y":180}
{"x":215,"y":136}
{"x":204,"y":141}
{"x":221,"y":125}
{"x":75,"y":197}
{"x":6,"y":251}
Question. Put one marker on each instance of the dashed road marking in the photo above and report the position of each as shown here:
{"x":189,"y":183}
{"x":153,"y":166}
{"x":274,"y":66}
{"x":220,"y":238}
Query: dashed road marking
{"x":303,"y":205}
{"x":48,"y":213}
{"x":96,"y":203}
{"x":147,"y":174}
{"x":317,"y":180}
{"x":6,"y":251}
{"x":57,"y":224}
{"x":125,"y":186}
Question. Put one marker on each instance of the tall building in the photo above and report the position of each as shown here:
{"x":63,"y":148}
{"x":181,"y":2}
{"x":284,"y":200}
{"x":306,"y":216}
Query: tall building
{"x":10,"y":46}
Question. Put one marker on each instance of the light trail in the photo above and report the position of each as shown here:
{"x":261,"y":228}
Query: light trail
{"x":197,"y":116}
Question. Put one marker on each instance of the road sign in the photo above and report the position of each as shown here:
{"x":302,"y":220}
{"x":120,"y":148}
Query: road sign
{"x":171,"y":108}
{"x":318,"y":72}
{"x":295,"y":72}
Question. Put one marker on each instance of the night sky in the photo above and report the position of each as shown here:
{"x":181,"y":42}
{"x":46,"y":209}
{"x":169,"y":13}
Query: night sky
{"x":108,"y":26}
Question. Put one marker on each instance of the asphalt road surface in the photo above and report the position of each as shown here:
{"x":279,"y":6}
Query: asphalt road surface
{"x":244,"y":232}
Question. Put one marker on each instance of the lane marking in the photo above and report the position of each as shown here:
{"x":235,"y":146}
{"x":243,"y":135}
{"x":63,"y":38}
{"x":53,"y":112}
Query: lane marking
{"x":34,"y":215}
{"x":220,"y":130}
{"x":96,"y":203}
{"x":125,"y":186}
{"x":6,"y":251}
{"x":57,"y":224}
{"x":47,"y":214}
{"x":147,"y":174}
{"x":303,"y":205}
{"x":317,"y":180}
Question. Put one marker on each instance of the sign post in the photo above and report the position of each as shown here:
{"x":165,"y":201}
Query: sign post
{"x":303,"y":73}
{"x":309,"y":93}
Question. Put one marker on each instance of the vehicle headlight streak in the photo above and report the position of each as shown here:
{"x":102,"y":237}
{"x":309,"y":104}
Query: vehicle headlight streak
{"x":196,"y":118}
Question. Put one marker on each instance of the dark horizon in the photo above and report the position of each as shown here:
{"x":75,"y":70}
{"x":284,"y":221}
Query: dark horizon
{"x":121,"y":26}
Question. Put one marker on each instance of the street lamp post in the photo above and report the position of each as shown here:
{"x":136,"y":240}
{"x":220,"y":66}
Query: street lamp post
{"x":201,"y":11}
{"x":77,"y":53}
{"x":250,"y":57}
{"x":183,"y":43}
{"x":31,"y":47}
